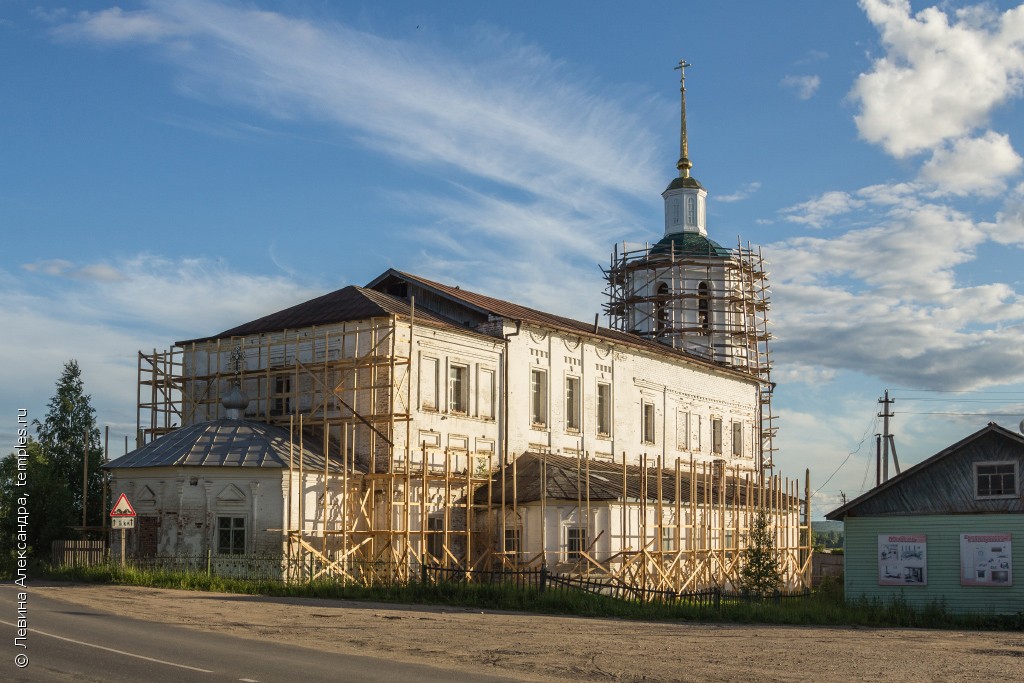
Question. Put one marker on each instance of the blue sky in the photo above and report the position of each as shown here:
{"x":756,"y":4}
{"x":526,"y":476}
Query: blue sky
{"x":173,"y":169}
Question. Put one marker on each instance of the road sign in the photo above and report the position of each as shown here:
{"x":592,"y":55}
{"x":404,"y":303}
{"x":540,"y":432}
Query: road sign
{"x":122,"y":508}
{"x":122,"y":522}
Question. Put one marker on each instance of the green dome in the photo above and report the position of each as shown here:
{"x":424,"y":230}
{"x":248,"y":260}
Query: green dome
{"x":689,"y":244}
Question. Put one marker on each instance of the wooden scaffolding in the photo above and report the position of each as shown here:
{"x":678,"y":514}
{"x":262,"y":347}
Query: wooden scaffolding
{"x":383,"y":507}
{"x":727,"y":324}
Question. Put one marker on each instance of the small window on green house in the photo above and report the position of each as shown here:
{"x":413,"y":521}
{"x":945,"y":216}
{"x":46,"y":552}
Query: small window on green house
{"x":995,"y":479}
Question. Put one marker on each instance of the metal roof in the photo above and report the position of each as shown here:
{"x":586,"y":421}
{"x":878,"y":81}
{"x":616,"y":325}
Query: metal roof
{"x":224,"y":443}
{"x":683,"y":244}
{"x":566,"y":479}
{"x":505,"y":309}
{"x":348,"y":303}
{"x":895,"y":482}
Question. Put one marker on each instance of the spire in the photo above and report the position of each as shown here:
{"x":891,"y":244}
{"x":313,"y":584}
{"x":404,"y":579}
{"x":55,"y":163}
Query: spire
{"x":683,"y":164}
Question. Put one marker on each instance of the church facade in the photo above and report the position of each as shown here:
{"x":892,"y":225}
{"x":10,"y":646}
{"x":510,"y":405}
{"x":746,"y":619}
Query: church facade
{"x":414,"y":423}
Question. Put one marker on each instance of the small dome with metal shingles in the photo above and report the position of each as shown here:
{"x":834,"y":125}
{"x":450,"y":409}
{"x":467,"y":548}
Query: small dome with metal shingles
{"x":225,"y":443}
{"x":689,"y":244}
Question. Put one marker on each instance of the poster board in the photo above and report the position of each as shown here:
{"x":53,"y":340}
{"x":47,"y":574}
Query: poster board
{"x":902,"y":560}
{"x":986,"y":560}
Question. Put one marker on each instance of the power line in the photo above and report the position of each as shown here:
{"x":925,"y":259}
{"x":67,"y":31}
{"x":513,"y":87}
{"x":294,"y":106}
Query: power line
{"x":869,"y":430}
{"x":911,"y":412}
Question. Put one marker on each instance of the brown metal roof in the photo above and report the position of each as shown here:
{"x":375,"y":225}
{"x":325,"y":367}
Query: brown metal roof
{"x":506,"y":309}
{"x":348,"y":303}
{"x":566,"y":479}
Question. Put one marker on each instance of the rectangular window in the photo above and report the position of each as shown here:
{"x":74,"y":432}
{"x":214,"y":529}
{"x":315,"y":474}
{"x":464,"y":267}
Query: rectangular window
{"x":428,"y":383}
{"x":485,"y":394}
{"x":604,"y":409}
{"x":282,"y":395}
{"x":575,"y":542}
{"x":435,"y":537}
{"x":995,"y":479}
{"x":231,"y":535}
{"x":737,"y":438}
{"x":668,"y":538}
{"x":512,"y":541}
{"x":458,"y":389}
{"x":648,"y":423}
{"x":700,"y":432}
{"x":716,"y":435}
{"x":572,"y":403}
{"x":539,"y":398}
{"x":682,"y":430}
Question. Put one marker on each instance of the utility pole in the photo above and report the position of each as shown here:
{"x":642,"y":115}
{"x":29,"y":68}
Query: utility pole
{"x":887,"y":440}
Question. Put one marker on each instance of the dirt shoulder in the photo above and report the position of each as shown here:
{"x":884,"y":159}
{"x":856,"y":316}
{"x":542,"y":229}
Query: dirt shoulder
{"x":550,"y":648}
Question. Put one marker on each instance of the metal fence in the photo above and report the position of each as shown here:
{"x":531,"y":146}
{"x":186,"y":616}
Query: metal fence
{"x":278,"y":569}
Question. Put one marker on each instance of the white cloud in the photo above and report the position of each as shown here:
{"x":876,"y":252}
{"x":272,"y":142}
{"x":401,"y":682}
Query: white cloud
{"x":54,"y":314}
{"x":804,"y":86}
{"x":506,"y":113}
{"x":816,"y":212}
{"x":740,"y":194}
{"x":1008,"y":227}
{"x":102,"y":272}
{"x":940,"y":77}
{"x":499,"y":112}
{"x":886,"y":301}
{"x":973,"y":166}
{"x":116,"y":25}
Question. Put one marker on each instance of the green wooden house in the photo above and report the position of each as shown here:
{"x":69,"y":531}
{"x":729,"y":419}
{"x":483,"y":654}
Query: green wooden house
{"x":949,"y":530}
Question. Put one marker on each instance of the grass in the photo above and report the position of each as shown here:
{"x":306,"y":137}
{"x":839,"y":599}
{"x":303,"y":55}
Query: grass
{"x":824,"y":607}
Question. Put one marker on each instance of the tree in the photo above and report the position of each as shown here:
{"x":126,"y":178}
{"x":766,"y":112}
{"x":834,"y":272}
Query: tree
{"x":760,"y":574}
{"x":66,"y":433}
{"x":47,"y":501}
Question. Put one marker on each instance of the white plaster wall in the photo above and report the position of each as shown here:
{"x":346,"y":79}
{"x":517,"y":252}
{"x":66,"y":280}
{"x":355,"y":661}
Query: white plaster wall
{"x":187,"y":500}
{"x":674,"y":387}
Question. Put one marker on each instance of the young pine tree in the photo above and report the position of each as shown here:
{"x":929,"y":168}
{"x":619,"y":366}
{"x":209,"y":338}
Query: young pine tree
{"x":759,"y":574}
{"x":68,"y":434}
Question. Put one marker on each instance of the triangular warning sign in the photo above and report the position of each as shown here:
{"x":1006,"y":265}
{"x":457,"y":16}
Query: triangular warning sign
{"x":122,"y":508}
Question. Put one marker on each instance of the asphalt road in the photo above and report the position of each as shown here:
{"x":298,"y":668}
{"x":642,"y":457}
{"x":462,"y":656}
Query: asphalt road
{"x":69,"y":643}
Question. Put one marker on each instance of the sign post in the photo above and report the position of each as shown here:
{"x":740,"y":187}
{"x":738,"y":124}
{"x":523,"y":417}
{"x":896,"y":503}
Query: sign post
{"x":122,"y":516}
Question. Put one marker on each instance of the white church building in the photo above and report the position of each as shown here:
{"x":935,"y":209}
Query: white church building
{"x":411,"y":422}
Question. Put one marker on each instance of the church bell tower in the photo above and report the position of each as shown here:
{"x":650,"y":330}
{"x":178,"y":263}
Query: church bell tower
{"x":690,"y":293}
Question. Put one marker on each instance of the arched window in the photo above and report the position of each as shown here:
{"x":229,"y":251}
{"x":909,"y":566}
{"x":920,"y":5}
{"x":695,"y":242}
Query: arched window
{"x":704,"y":307}
{"x":661,"y":308}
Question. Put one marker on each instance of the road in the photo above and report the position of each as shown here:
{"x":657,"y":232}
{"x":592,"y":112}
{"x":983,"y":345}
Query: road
{"x":68,"y":642}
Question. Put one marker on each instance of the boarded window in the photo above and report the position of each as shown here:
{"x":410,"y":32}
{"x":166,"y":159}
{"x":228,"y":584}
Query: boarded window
{"x":648,"y":423}
{"x":485,"y":394}
{"x":716,"y":435}
{"x":682,"y":430}
{"x":539,"y":398}
{"x":428,"y":383}
{"x":737,"y":438}
{"x":572,"y":403}
{"x":604,"y":409}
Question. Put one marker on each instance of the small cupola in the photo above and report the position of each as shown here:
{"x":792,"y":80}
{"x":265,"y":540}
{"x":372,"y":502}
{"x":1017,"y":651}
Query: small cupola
{"x":685,"y":198}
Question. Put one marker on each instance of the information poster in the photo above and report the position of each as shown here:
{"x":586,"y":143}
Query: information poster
{"x":902,"y":560}
{"x":985,"y":560}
